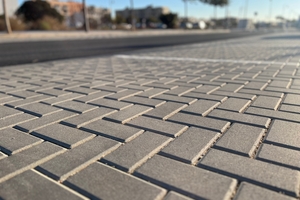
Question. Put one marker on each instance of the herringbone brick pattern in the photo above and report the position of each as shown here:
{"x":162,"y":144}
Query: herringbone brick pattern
{"x":218,"y":120}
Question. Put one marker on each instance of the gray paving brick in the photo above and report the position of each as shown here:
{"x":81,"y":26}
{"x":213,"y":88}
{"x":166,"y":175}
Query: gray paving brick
{"x":3,"y":96}
{"x":16,"y":119}
{"x":27,"y":159}
{"x":61,"y":99}
{"x":241,"y":139}
{"x":90,"y":181}
{"x":24,"y":94}
{"x":256,"y":85}
{"x":8,"y":112}
{"x":63,"y":135}
{"x":131,"y":155}
{"x":74,"y":106}
{"x":144,"y":101}
{"x":24,"y":102}
{"x":285,"y":134}
{"x":279,"y":156}
{"x":88,"y":117}
{"x":231,"y":87}
{"x":66,"y":84}
{"x":190,"y":145}
{"x":235,"y":95}
{"x":180,"y":91}
{"x":251,"y":120}
{"x":74,"y":160}
{"x":206,"y":89}
{"x":267,"y":102}
{"x":128,"y":114}
{"x":2,"y":155}
{"x":82,"y":90}
{"x":110,"y":89}
{"x":201,"y":107}
{"x":39,"y":109}
{"x":161,"y":86}
{"x":94,"y":84}
{"x":280,"y":84}
{"x":9,"y":100}
{"x":31,"y":185}
{"x":200,"y":122}
{"x":35,"y":124}
{"x":122,"y":95}
{"x":206,"y":96}
{"x":190,"y":181}
{"x":290,"y":108}
{"x":92,"y":97}
{"x":253,"y":171}
{"x":176,"y":99}
{"x":107,"y":103}
{"x":176,"y":196}
{"x":234,"y":104}
{"x":292,"y":99}
{"x":136,"y":87}
{"x":13,"y":141}
{"x":264,"y":93}
{"x":273,"y":114}
{"x":54,"y":92}
{"x":112,"y":130}
{"x":166,"y":110}
{"x":162,"y":127}
{"x":152,"y":93}
{"x":252,"y":192}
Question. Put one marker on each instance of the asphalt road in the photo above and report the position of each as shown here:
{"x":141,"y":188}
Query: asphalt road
{"x":29,"y":52}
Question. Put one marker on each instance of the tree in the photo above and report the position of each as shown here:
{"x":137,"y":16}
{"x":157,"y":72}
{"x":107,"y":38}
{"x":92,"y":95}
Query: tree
{"x":32,"y":11}
{"x":7,"y":22}
{"x":119,"y":19}
{"x":106,"y":19}
{"x":169,"y":19}
{"x":216,"y":3}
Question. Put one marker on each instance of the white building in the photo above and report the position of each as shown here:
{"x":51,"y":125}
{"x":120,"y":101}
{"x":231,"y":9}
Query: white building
{"x":11,"y":6}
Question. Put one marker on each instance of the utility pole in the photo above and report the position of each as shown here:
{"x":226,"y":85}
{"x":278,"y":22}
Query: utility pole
{"x":85,"y":16}
{"x":186,"y":10}
{"x":132,"y":16}
{"x":246,"y":9}
{"x":7,"y":22}
{"x":270,"y":11}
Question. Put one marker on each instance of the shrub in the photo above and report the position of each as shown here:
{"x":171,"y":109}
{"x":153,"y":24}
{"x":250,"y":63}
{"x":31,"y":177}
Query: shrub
{"x":15,"y":23}
{"x":48,"y":23}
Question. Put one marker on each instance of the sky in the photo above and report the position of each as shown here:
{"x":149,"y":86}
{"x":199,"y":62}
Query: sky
{"x":288,"y":8}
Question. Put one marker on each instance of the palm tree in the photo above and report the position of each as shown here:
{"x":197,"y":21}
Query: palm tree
{"x":7,"y":22}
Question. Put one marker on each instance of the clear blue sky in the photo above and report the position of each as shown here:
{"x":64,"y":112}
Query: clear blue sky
{"x":200,"y":10}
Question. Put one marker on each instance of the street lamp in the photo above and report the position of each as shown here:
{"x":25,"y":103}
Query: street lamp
{"x":270,"y":11}
{"x":7,"y":22}
{"x":132,"y":16}
{"x":246,"y":9}
{"x":86,"y":20}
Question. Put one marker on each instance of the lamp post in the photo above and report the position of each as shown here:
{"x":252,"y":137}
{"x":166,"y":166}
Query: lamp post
{"x":132,"y":16}
{"x":270,"y":11}
{"x":246,"y":9}
{"x":7,"y":22}
{"x":86,"y":20}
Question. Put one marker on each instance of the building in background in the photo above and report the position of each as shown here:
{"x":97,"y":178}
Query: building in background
{"x":12,"y":6}
{"x":66,"y":9}
{"x":143,"y":13}
{"x":98,"y":16}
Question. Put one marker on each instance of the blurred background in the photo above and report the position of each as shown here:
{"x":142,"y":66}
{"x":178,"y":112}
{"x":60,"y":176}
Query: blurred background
{"x":75,"y":15}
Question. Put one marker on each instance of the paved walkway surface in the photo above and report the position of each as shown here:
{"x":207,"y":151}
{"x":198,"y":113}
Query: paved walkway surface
{"x":25,"y":36}
{"x":218,"y":120}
